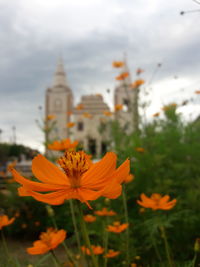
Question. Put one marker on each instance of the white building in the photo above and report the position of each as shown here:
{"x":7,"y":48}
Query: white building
{"x":88,"y":115}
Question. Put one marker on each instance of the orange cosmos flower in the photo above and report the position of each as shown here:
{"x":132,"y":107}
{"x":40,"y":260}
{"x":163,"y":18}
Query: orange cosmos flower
{"x":50,"y":117}
{"x":89,"y":218}
{"x":80,"y":178}
{"x":4,"y":221}
{"x":2,"y":174}
{"x":122,"y":76}
{"x":139,"y":71}
{"x":70,"y":124}
{"x":197,"y":92}
{"x":105,"y":212}
{"x":140,"y":149}
{"x":87,"y":115}
{"x":118,"y":107}
{"x":62,"y":145}
{"x":48,"y":240}
{"x":157,"y":114}
{"x":107,"y":113}
{"x":137,"y":83}
{"x":170,"y":106}
{"x":97,"y":250}
{"x":156,"y":202}
{"x":111,"y":253}
{"x":117,"y":227}
{"x":80,"y":107}
{"x":117,"y":64}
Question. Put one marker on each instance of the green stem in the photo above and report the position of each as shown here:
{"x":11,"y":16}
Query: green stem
{"x":106,"y":235}
{"x":75,"y":225}
{"x":127,"y":221}
{"x":156,"y":249}
{"x":69,"y":254}
{"x":194,"y":260}
{"x":55,"y":258}
{"x":85,"y":235}
{"x":162,"y":229}
{"x":6,"y":247}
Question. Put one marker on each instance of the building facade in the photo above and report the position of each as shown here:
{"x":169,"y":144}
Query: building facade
{"x":87,"y":116}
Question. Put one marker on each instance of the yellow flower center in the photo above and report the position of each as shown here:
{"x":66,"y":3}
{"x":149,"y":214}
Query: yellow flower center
{"x":156,"y":197}
{"x":116,"y":223}
{"x":75,"y":164}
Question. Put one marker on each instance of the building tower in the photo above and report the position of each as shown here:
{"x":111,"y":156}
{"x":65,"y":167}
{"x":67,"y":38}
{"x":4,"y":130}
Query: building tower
{"x":127,"y":97}
{"x":59,"y":102}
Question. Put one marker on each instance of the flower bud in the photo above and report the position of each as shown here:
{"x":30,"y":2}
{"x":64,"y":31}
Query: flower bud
{"x":50,"y":211}
{"x":197,"y":245}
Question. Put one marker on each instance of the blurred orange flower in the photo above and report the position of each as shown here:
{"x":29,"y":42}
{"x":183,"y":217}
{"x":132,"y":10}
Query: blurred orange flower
{"x":48,"y":240}
{"x":70,"y":124}
{"x":69,"y":113}
{"x":2,"y":174}
{"x":170,"y":106}
{"x":157,"y":114}
{"x":137,"y":83}
{"x":122,"y":76}
{"x":37,"y":223}
{"x":80,"y":107}
{"x":89,"y":218}
{"x":50,"y":117}
{"x":118,"y":107}
{"x":17,"y":214}
{"x":97,"y":250}
{"x":117,"y":227}
{"x":140,"y":149}
{"x":105,"y":212}
{"x":107,"y":113}
{"x":156,"y":202}
{"x":23,"y":225}
{"x":117,"y":64}
{"x":87,"y":115}
{"x":4,"y":221}
{"x":80,"y":179}
{"x":111,"y":253}
{"x":139,"y":71}
{"x":197,"y":92}
{"x":62,"y":145}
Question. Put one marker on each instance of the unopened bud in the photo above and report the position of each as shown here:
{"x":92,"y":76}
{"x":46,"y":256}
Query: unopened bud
{"x":107,"y":201}
{"x":50,"y":211}
{"x":197,"y":245}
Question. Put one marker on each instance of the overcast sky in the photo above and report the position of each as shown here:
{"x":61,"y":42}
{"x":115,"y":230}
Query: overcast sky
{"x":90,"y":34}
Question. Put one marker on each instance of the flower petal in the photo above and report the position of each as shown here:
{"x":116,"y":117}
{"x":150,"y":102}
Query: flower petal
{"x":112,"y":190}
{"x":31,"y":185}
{"x":99,"y":171}
{"x":55,"y":198}
{"x":164,"y":200}
{"x":58,"y":238}
{"x":47,"y":172}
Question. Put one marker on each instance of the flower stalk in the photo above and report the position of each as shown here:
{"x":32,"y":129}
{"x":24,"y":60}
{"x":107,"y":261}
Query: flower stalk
{"x":167,"y":249}
{"x":85,"y":235}
{"x":127,"y":221}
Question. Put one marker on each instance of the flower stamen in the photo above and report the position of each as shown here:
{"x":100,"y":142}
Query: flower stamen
{"x":75,"y":164}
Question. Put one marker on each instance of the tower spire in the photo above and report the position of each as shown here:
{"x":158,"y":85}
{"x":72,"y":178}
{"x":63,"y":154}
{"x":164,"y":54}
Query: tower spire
{"x":60,"y":75}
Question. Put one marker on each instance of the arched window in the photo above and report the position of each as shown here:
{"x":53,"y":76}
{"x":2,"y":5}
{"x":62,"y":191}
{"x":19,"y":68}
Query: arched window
{"x":80,"y":126}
